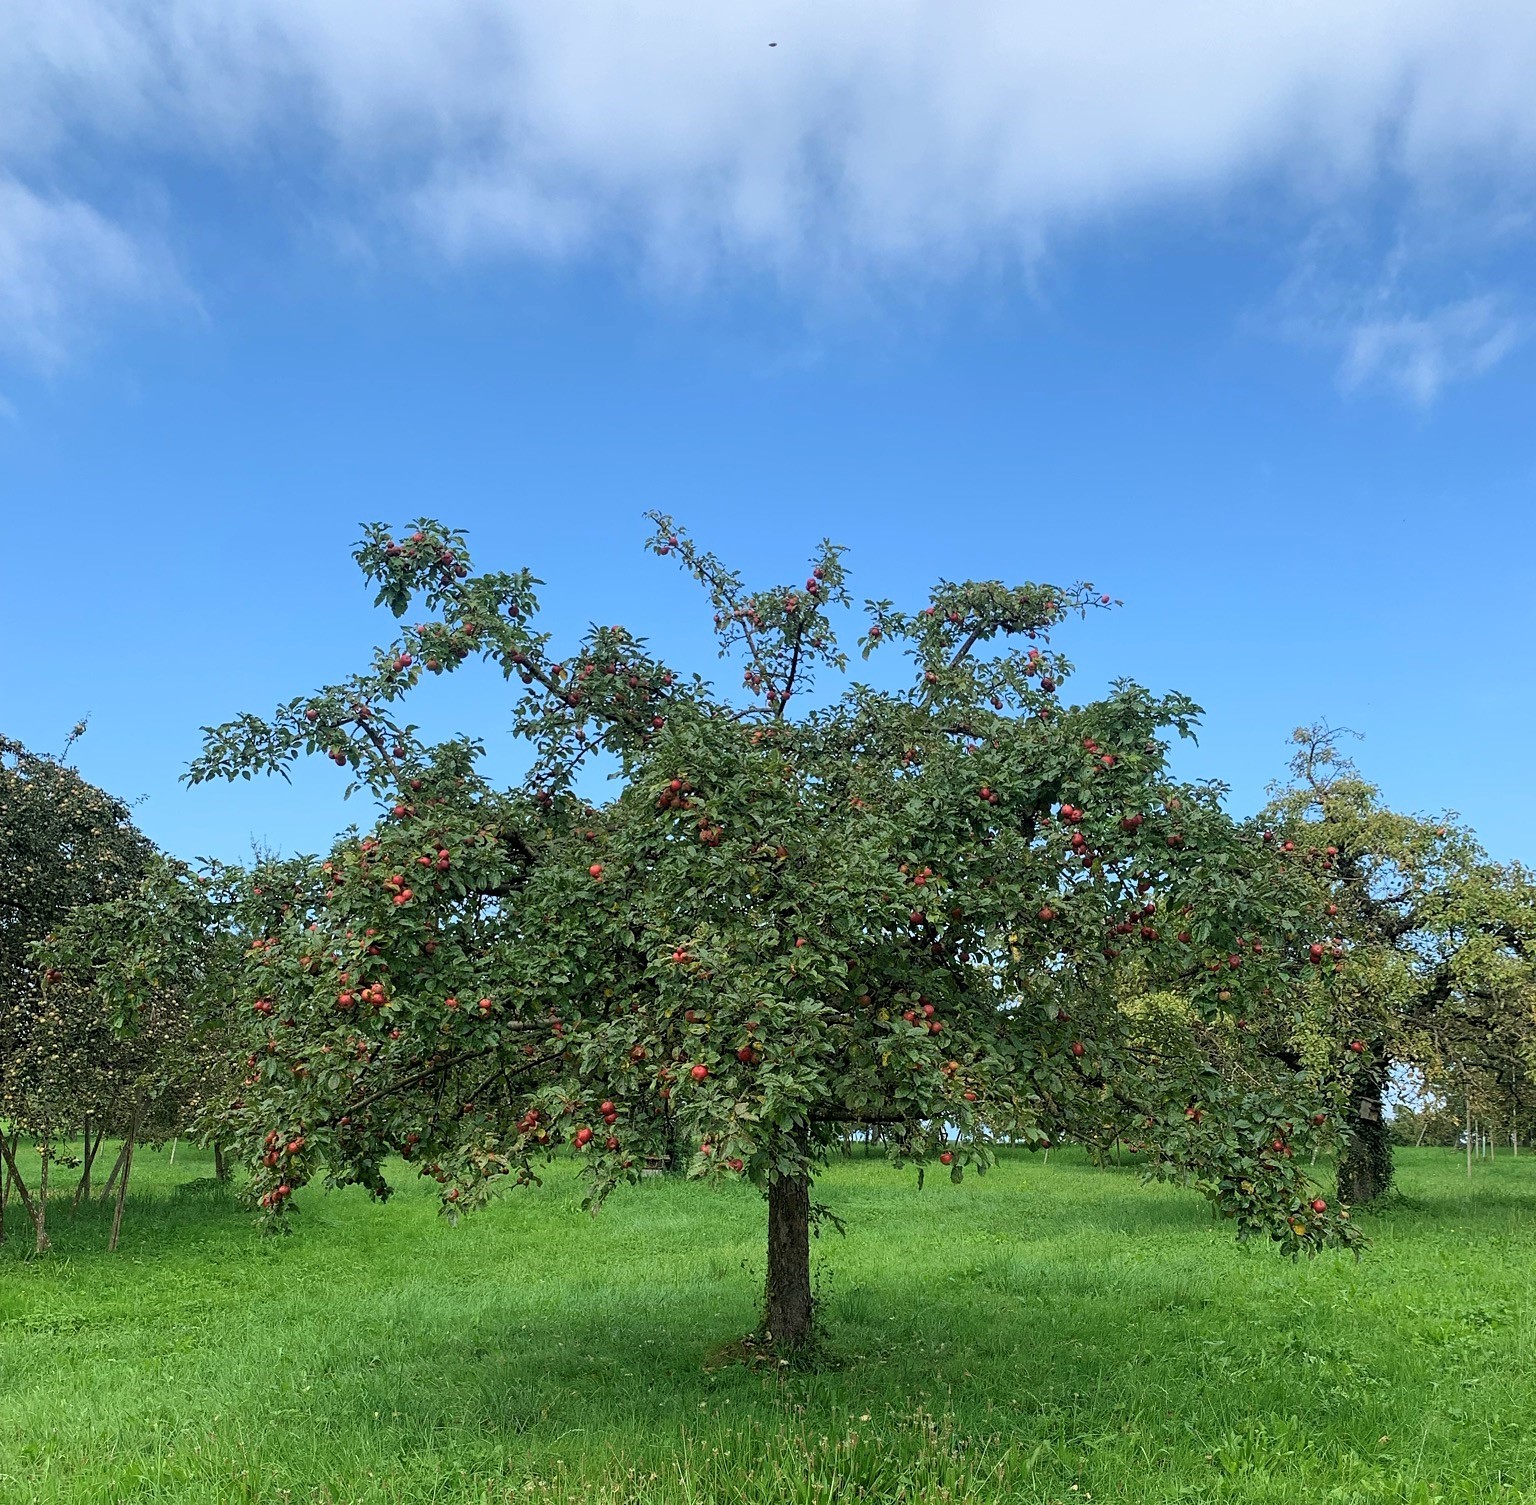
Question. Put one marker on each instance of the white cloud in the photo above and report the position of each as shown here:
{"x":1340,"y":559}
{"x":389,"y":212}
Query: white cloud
{"x":59,"y":260}
{"x":878,"y":137}
{"x":1404,"y":321}
{"x":1417,"y":355}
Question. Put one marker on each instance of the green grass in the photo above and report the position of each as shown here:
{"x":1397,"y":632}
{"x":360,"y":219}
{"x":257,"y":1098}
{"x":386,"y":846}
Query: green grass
{"x":1050,"y":1333}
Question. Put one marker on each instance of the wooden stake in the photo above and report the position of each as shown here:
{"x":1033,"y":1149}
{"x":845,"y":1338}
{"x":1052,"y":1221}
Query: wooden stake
{"x":117,"y":1170}
{"x":122,"y":1186}
{"x":8,"y":1154}
{"x":83,"y":1190}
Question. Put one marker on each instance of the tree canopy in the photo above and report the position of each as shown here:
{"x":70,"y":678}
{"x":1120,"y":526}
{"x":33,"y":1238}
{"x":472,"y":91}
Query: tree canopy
{"x":1441,"y":942}
{"x":815,"y":902}
{"x":65,"y":846}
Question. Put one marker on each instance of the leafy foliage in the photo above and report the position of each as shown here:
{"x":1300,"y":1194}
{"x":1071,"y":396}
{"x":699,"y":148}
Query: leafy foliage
{"x":134,"y":999}
{"x":1441,"y":942}
{"x":926,"y":909}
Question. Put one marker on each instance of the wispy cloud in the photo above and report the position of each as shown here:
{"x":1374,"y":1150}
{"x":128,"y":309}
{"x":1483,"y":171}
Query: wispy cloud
{"x":1405,"y":321}
{"x":876,"y":138}
{"x":59,"y":260}
{"x":1418,"y":355}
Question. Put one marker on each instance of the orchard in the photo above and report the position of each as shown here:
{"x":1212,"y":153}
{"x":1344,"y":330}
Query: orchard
{"x":948,"y":906}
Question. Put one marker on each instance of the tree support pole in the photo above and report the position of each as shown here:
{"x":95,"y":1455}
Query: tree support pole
{"x":117,"y":1170}
{"x":122,"y":1185}
{"x":83,"y":1190}
{"x":34,"y":1210}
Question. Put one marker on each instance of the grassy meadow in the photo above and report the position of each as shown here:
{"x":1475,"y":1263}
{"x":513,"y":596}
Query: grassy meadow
{"x":1053,"y":1332}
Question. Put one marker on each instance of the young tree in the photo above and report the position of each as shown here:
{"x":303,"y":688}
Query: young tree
{"x":127,"y":1035}
{"x":63,"y":843}
{"x":1441,"y":942}
{"x":903,"y":909}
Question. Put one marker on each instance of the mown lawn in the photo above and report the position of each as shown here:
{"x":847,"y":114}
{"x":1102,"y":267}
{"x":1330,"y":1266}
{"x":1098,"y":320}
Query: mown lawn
{"x":1051,"y":1333}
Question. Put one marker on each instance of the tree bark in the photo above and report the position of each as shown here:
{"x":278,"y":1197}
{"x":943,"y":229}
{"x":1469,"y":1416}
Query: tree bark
{"x":1365,"y":1169}
{"x":37,"y":1206}
{"x":787,"y":1317}
{"x":220,"y":1165}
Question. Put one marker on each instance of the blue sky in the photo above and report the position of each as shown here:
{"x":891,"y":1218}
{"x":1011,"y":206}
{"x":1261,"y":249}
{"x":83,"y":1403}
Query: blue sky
{"x":1228,"y":314}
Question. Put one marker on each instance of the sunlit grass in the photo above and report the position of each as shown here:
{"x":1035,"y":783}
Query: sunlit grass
{"x":1053,"y":1332}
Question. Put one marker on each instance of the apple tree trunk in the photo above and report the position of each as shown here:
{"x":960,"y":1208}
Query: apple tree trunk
{"x":787,"y":1318}
{"x":1365,"y":1168}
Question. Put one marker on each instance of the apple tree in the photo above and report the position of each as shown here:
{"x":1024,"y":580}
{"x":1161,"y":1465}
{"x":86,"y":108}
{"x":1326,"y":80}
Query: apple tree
{"x":126,"y":1032}
{"x":63,"y":843}
{"x":812,"y":902}
{"x":1441,"y":942}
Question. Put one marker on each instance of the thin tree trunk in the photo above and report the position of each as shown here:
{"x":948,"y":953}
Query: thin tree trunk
{"x":31,"y":1208}
{"x":83,"y":1190}
{"x":5,"y":1189}
{"x":220,"y":1166}
{"x":117,"y":1170}
{"x":174,"y":1143}
{"x":1469,"y":1137}
{"x":1423,"y":1130}
{"x":40,"y":1207}
{"x":787,"y":1318}
{"x":122,"y":1185}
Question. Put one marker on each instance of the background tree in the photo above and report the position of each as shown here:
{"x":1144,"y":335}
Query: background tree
{"x":63,"y":843}
{"x":126,"y":1037}
{"x":1440,"y":943}
{"x":903,"y":909}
